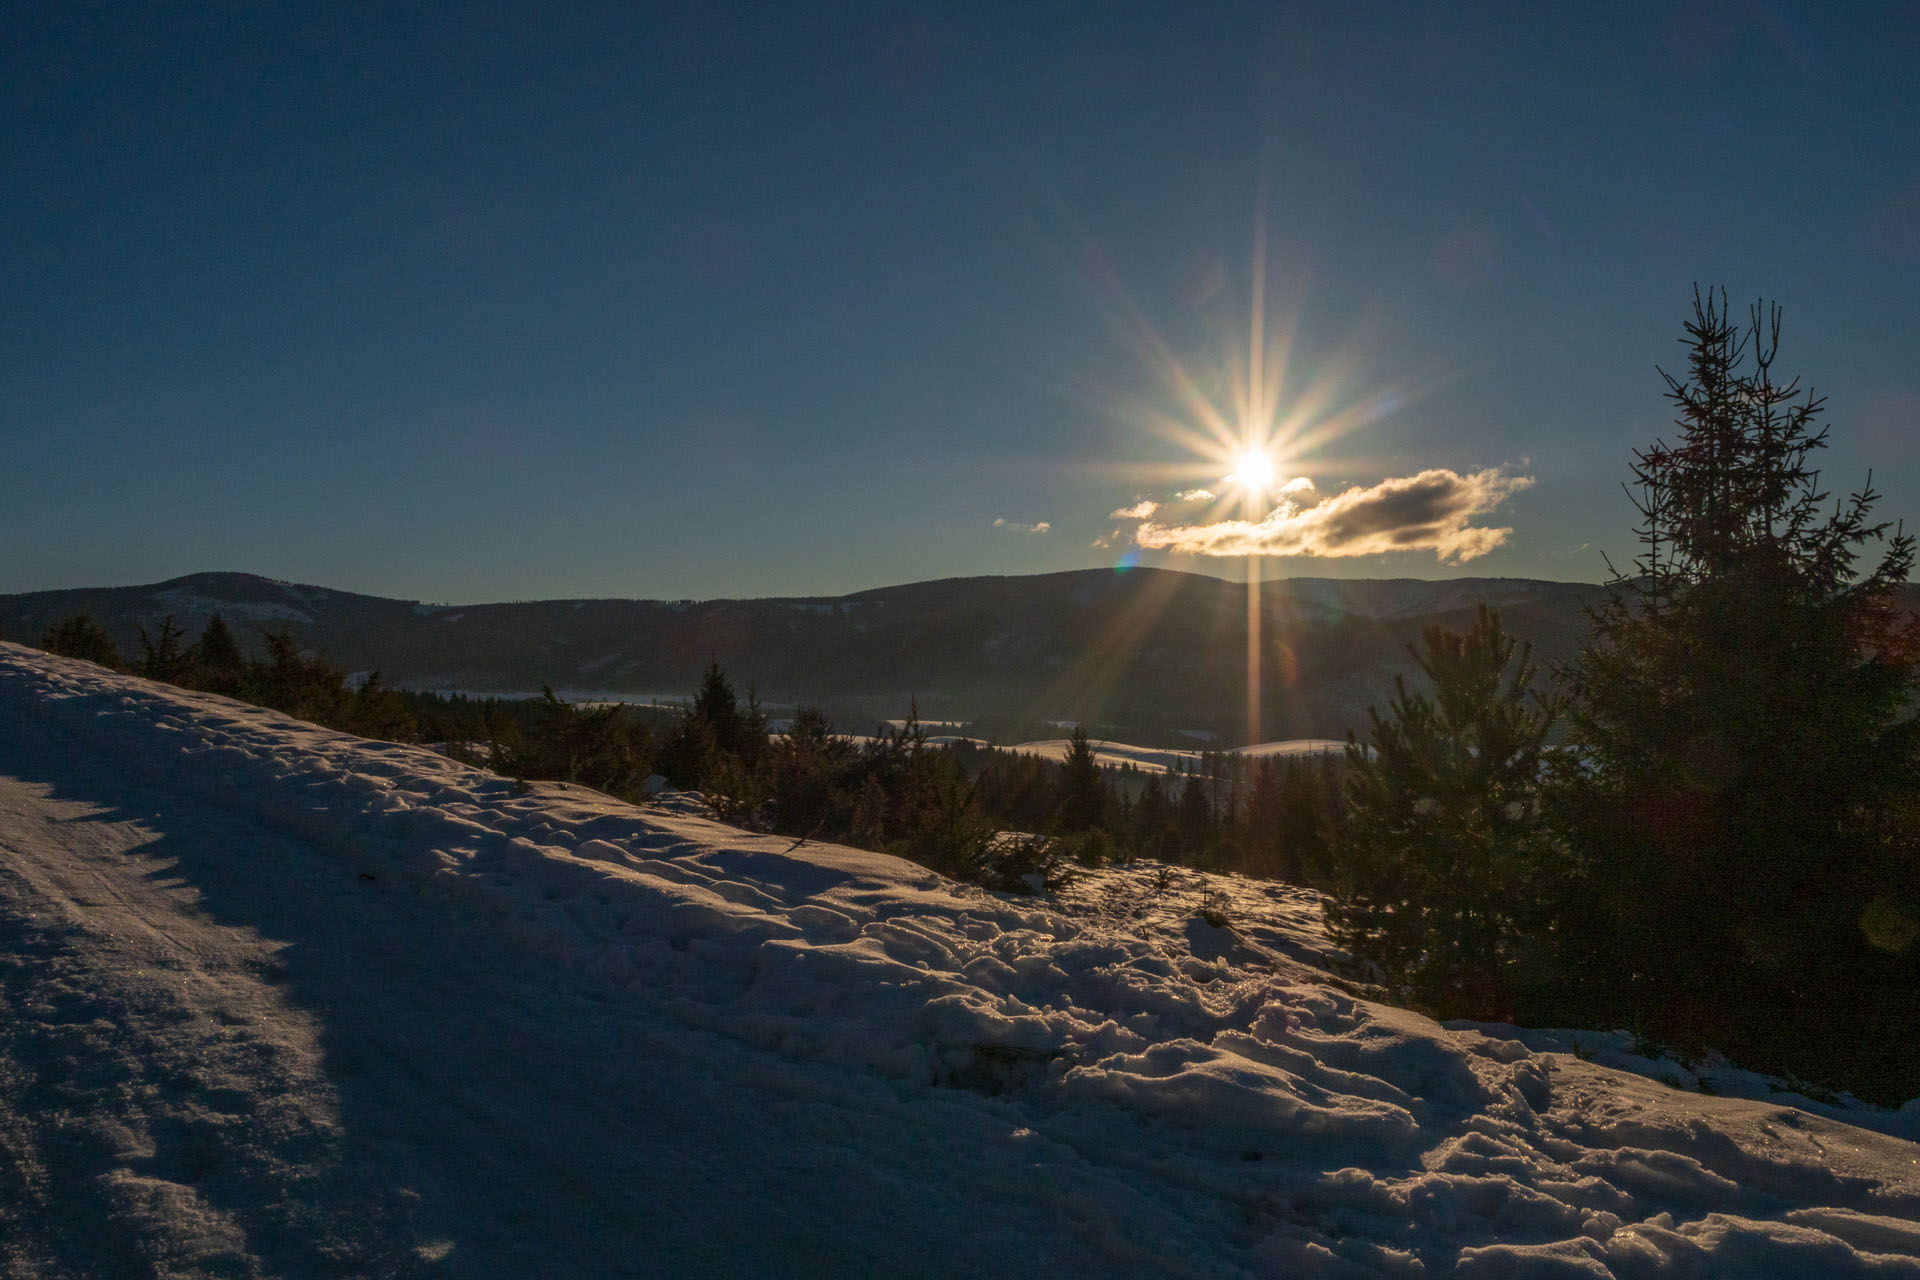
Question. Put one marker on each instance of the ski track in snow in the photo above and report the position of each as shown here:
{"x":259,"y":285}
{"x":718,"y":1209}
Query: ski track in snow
{"x":279,"y":1001}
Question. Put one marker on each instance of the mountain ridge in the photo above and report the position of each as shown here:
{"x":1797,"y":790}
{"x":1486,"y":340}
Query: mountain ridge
{"x":1156,"y":649}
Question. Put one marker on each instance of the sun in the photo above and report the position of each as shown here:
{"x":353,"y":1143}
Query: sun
{"x":1253,"y":470}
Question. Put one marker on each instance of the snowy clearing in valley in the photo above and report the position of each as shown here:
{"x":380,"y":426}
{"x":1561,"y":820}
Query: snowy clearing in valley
{"x":1169,"y":759}
{"x":279,"y":1001}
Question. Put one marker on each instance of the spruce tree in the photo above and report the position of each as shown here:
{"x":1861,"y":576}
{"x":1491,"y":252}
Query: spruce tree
{"x":1743,"y":711}
{"x":219,"y":665}
{"x":808,"y":764}
{"x":1153,"y":822}
{"x":1083,"y":792}
{"x":1267,"y":853}
{"x":1193,"y":821}
{"x":309,"y":688}
{"x":218,"y":650}
{"x":718,"y":705}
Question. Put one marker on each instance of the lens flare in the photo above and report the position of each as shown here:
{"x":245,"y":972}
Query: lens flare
{"x":1251,"y":428}
{"x":1253,"y":470}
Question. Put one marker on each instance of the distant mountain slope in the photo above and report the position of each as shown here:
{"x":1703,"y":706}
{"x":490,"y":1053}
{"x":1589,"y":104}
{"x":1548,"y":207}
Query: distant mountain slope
{"x":1151,"y":648}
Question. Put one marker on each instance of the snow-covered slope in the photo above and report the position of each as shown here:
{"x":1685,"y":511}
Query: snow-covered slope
{"x":274,"y":1000}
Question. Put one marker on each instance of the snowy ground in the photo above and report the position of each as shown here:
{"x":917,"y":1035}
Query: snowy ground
{"x":277,"y":1001}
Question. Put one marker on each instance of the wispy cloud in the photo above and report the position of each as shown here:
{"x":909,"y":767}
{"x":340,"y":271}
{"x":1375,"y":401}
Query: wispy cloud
{"x":1039,"y":526}
{"x":1141,"y":510}
{"x":1425,"y":512}
{"x":1194,"y":495}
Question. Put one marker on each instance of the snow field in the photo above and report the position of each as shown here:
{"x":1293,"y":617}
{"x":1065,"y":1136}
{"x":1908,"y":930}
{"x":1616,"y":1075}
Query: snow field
{"x":1204,"y":1097}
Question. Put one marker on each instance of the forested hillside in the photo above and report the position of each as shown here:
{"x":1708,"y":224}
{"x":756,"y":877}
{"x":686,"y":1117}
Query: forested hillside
{"x":1148,"y":650}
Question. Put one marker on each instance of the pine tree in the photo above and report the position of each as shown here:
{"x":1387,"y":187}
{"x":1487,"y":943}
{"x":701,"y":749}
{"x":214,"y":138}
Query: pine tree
{"x":1266,"y":852}
{"x":1083,"y":792}
{"x":808,"y":764}
{"x":1744,"y":713}
{"x":307,"y":687}
{"x":1446,"y":860}
{"x":1153,"y":821}
{"x":217,"y":647}
{"x":717,"y":704}
{"x":752,"y":744}
{"x":696,"y":751}
{"x":1193,"y":821}
{"x":219,"y":666}
{"x":375,"y":711}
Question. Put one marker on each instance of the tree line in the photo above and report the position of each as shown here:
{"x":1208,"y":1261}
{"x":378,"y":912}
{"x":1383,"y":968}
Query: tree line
{"x":281,"y":676}
{"x":963,"y":807}
{"x":1709,"y":831}
{"x":1013,"y":820}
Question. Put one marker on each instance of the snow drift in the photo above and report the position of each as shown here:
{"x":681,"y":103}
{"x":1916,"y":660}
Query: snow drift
{"x":283,"y":1001}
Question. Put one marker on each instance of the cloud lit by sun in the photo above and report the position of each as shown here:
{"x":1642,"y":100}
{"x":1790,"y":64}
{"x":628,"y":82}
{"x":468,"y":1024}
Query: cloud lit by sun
{"x":1431,"y":511}
{"x":1258,"y":428}
{"x":1255,"y":430}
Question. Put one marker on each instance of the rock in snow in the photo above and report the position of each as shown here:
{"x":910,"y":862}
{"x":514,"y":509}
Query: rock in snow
{"x":279,"y":1001}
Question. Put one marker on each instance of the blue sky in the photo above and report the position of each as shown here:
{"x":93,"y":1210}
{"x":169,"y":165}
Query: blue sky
{"x":471,"y":302}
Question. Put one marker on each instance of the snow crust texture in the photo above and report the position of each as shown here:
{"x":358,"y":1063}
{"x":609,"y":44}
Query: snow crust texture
{"x":282,"y":1001}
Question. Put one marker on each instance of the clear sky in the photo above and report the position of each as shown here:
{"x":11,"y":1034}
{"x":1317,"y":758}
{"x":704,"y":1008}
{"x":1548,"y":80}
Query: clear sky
{"x":496,"y":301}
